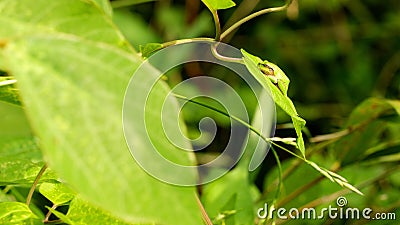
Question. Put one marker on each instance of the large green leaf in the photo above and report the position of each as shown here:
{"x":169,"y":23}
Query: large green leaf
{"x":72,"y":69}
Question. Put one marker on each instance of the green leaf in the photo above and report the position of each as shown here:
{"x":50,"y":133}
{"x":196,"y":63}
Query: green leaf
{"x":281,"y":99}
{"x":57,"y":193}
{"x":14,"y":213}
{"x":21,"y":161}
{"x":20,"y":156}
{"x":215,"y":5}
{"x":81,"y":212}
{"x":60,"y":215}
{"x":386,"y":152}
{"x":73,"y":67}
{"x":149,"y":49}
{"x":9,"y":93}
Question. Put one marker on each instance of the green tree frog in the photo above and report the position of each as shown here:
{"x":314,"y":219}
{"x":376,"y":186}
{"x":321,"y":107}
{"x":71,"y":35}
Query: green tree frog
{"x":275,"y":75}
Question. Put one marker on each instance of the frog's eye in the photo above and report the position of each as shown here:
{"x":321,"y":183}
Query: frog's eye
{"x":266,"y":70}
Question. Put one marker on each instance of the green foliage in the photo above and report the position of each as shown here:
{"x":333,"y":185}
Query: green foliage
{"x":57,"y":193}
{"x":21,"y":161}
{"x":365,"y":126}
{"x":64,"y":67}
{"x":16,"y":213}
{"x":215,"y":5}
{"x":230,"y":193}
{"x":8,"y":92}
{"x":82,"y":212}
{"x":149,"y":49}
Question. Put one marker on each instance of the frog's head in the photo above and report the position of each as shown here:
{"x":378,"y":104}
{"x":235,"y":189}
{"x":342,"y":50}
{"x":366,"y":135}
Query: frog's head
{"x":266,"y":69}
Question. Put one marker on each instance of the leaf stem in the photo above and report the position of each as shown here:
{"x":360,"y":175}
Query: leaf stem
{"x":217,"y":24}
{"x":204,"y":214}
{"x":186,"y":40}
{"x":252,"y":16}
{"x":224,"y":58}
{"x":278,"y":162}
{"x":47,"y":217}
{"x":35,"y":183}
{"x":237,"y":119}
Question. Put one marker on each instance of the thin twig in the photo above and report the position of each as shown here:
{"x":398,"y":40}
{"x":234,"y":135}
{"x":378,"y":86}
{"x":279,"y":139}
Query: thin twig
{"x":347,"y":131}
{"x":217,"y":24}
{"x":326,"y":137}
{"x":215,"y":53}
{"x":278,"y":162}
{"x":204,"y":214}
{"x":252,"y":16}
{"x":47,"y":217}
{"x":35,"y":183}
{"x":241,"y":11}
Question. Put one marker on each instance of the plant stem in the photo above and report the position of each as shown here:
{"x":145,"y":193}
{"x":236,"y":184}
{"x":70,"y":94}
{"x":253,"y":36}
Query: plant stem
{"x":224,"y":58}
{"x":35,"y":183}
{"x":217,"y":24}
{"x":182,"y":41}
{"x":6,"y":189}
{"x":288,"y":171}
{"x":278,"y":162}
{"x":252,"y":16}
{"x":237,"y":119}
{"x":206,"y":218}
{"x":47,"y":217}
